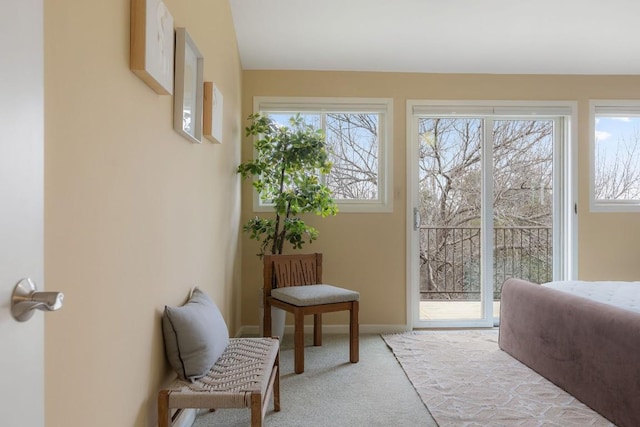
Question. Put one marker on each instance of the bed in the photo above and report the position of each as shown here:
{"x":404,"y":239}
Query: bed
{"x":582,"y":336}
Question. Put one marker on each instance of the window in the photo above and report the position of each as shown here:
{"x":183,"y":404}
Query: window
{"x":358,"y":134}
{"x":615,"y":156}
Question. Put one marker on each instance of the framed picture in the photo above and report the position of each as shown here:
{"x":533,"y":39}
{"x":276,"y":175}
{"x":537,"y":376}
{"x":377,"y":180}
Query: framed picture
{"x":188,"y":88}
{"x":151,"y":53}
{"x":212,"y":113}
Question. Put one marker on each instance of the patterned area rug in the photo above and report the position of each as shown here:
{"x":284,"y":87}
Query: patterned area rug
{"x":464,"y":379}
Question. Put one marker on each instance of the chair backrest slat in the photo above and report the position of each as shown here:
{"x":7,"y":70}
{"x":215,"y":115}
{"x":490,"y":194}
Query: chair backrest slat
{"x":291,"y":270}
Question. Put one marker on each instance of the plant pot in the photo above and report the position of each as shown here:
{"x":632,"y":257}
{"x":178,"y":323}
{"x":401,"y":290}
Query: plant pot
{"x":278,"y":317}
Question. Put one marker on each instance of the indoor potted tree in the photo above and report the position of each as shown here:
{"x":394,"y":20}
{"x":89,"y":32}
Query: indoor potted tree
{"x":286,"y":169}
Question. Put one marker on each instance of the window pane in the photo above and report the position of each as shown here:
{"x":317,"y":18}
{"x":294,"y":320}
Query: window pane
{"x":283,"y":119}
{"x":450,"y":206}
{"x":355,"y":131}
{"x":617,"y":158}
{"x":352,"y":141}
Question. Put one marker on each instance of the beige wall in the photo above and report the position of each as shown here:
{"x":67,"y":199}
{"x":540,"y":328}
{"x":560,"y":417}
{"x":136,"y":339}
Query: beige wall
{"x":135,"y":214}
{"x":367,"y":251}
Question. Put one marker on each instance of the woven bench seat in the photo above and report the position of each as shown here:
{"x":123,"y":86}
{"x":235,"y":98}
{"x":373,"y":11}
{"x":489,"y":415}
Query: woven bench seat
{"x":244,"y":376}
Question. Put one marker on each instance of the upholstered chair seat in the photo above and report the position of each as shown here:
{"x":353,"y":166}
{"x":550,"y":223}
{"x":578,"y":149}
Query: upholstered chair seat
{"x":314,"y":294}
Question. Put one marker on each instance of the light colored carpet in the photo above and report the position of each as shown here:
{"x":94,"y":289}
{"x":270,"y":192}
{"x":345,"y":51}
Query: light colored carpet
{"x":335,"y":393}
{"x":466,"y":380}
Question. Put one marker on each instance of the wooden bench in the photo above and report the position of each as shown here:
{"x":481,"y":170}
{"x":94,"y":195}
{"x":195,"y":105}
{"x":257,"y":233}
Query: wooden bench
{"x":244,"y":376}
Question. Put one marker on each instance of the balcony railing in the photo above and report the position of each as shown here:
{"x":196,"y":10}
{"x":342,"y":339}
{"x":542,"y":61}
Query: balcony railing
{"x":450,"y":259}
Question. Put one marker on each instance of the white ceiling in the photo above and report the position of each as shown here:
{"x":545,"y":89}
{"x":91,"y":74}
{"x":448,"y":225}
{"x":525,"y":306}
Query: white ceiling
{"x":441,"y":36}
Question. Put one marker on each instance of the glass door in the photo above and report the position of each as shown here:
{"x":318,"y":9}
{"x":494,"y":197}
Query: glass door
{"x":484,"y":213}
{"x":450,"y":206}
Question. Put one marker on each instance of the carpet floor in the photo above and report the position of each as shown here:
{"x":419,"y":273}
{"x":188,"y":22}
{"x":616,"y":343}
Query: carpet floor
{"x":466,"y":380}
{"x":335,"y":393}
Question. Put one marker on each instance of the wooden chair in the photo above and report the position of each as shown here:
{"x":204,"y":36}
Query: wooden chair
{"x":294,"y":284}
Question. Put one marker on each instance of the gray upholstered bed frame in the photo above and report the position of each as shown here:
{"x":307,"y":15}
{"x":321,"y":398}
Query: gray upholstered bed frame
{"x":590,"y":349}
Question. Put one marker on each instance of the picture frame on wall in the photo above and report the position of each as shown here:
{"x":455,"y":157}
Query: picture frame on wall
{"x":212,"y":113}
{"x":151,"y":40}
{"x":188,"y":88}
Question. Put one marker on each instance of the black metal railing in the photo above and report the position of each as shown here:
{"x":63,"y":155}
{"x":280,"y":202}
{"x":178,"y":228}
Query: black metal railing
{"x":450,"y":259}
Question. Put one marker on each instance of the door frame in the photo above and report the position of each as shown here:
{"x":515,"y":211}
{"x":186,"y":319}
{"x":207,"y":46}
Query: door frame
{"x":564,"y":194}
{"x":22,"y":214}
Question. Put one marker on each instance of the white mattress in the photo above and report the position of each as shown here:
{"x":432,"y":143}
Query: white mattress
{"x":620,"y":294}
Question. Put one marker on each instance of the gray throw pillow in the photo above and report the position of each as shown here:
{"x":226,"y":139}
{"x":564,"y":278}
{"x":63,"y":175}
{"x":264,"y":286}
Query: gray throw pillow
{"x":195,"y":335}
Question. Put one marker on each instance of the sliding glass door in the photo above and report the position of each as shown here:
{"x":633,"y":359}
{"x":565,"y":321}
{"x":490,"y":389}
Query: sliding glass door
{"x":485,"y":208}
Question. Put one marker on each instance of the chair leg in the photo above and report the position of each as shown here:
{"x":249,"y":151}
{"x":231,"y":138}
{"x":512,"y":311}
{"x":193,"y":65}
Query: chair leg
{"x":298,"y":344}
{"x":266,"y":320}
{"x":354,"y":343}
{"x":317,"y":329}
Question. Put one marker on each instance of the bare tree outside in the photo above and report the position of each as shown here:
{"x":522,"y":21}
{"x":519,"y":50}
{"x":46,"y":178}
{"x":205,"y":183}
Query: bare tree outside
{"x":617,"y":165}
{"x":352,"y":141}
{"x":450,"y":204}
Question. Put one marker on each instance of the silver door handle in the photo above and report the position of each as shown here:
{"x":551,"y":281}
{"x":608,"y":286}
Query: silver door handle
{"x":416,"y":219}
{"x":26,"y":298}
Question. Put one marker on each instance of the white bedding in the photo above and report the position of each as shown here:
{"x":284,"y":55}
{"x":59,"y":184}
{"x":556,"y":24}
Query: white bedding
{"x":620,"y":294}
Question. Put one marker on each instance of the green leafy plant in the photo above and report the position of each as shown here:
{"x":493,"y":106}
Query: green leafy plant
{"x":285,"y":171}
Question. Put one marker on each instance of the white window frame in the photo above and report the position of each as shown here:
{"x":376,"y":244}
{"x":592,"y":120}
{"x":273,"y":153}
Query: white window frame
{"x":612,"y":108}
{"x":382,"y":106}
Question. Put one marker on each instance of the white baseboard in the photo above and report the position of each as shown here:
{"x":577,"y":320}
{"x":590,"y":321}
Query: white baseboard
{"x":252,"y":330}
